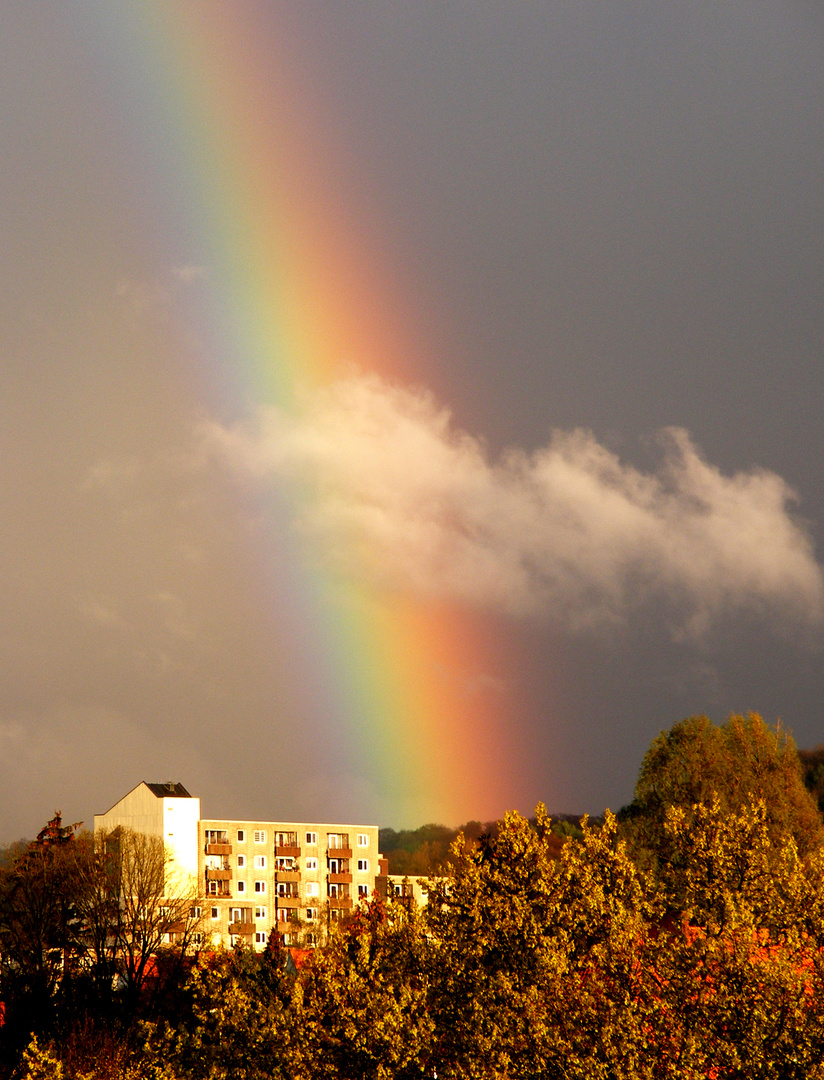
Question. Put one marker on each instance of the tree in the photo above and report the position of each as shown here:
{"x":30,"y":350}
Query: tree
{"x":38,"y":925}
{"x":154,"y":909}
{"x":741,"y":760}
{"x":361,"y":1007}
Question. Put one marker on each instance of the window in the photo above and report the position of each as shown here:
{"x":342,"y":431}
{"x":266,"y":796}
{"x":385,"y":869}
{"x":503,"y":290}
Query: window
{"x":236,"y":913}
{"x":196,"y":912}
{"x":260,"y":836}
{"x":311,"y":864}
{"x":334,"y":866}
{"x":333,"y":888}
{"x":311,"y":888}
{"x":215,"y":913}
{"x":363,"y":864}
{"x":217,"y":836}
{"x":260,"y":862}
{"x":311,"y":914}
{"x":260,"y":939}
{"x":363,"y":892}
{"x":282,"y":862}
{"x":336,"y":840}
{"x":197,"y":939}
{"x":311,"y":838}
{"x":311,"y":939}
{"x":241,"y":836}
{"x":260,"y":914}
{"x":260,"y":886}
{"x":241,"y":861}
{"x":241,"y":887}
{"x":363,"y":839}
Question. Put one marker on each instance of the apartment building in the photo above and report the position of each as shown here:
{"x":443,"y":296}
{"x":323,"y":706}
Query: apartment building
{"x":253,"y":876}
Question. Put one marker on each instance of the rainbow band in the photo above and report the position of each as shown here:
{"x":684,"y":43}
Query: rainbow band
{"x":292,"y":303}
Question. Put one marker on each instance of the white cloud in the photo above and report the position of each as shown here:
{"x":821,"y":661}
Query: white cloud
{"x":388,"y":485}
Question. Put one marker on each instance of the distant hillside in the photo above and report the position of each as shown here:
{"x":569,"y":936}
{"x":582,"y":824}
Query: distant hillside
{"x":423,"y":851}
{"x":812,"y":768}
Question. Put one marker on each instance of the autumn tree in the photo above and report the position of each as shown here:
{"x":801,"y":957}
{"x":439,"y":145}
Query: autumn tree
{"x":155,"y":908}
{"x":696,"y":761}
{"x":39,"y":924}
{"x":362,"y":1007}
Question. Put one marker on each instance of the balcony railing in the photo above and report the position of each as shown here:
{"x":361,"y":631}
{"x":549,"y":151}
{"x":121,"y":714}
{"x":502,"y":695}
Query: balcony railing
{"x":339,"y":852}
{"x":287,"y":875}
{"x":289,"y":851}
{"x":218,"y":849}
{"x":247,"y":928}
{"x":340,"y":879}
{"x":287,"y":901}
{"x":213,"y":874}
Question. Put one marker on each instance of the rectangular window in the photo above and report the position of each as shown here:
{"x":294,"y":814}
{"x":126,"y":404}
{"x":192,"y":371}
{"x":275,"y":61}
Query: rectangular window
{"x":311,"y":888}
{"x":260,"y":939}
{"x":241,"y":861}
{"x":311,"y":838}
{"x":363,"y":839}
{"x":363,"y":864}
{"x":241,"y":836}
{"x":215,"y":913}
{"x":235,"y":914}
{"x":333,"y":888}
{"x":311,"y":864}
{"x":334,"y":866}
{"x":260,"y":886}
{"x":241,"y":887}
{"x":197,"y":938}
{"x":260,"y":836}
{"x":260,"y":862}
{"x":283,"y":862}
{"x":363,"y":892}
{"x":196,"y":912}
{"x":260,"y":914}
{"x":311,"y":914}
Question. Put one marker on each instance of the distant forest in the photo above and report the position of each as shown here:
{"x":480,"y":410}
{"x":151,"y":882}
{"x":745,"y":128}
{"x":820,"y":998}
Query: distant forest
{"x":425,"y":851}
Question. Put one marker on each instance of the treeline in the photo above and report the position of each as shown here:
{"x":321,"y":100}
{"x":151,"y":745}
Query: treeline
{"x":425,"y":852}
{"x":685,"y":940}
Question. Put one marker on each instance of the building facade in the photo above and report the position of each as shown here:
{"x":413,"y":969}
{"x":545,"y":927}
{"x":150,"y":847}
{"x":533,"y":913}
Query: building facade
{"x":254,"y":876}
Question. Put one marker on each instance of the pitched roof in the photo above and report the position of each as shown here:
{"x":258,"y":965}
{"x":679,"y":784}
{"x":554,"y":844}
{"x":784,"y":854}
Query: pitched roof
{"x":170,"y":790}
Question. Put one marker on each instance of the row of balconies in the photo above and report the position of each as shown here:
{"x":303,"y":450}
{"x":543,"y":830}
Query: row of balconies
{"x":287,"y":851}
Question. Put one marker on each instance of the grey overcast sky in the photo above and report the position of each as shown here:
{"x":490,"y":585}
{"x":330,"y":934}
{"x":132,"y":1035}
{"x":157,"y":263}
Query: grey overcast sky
{"x":407,"y":410}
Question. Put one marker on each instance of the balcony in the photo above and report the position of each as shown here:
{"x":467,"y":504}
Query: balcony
{"x":341,"y":903}
{"x":287,"y":875}
{"x":289,"y":851}
{"x":246,"y":928}
{"x":218,"y":849}
{"x":339,"y":852}
{"x":339,"y":879}
{"x":212,"y":874}
{"x":287,"y":901}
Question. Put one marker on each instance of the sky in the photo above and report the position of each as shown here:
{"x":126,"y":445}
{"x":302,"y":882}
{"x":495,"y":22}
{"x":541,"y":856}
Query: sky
{"x":408,"y":410}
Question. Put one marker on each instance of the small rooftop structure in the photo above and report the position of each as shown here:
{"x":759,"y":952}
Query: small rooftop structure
{"x":170,"y":790}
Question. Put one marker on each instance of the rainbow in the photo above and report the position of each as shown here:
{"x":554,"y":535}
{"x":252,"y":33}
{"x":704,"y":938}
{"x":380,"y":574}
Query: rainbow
{"x":293,"y":302}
